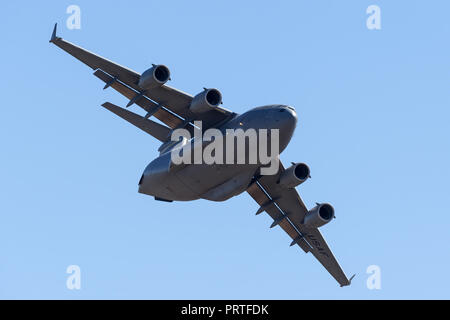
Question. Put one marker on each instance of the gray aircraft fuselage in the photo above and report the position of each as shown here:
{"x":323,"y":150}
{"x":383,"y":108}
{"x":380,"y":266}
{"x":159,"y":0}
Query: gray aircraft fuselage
{"x":216,"y":182}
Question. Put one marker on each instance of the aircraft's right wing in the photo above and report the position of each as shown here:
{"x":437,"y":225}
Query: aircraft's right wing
{"x":167,"y":104}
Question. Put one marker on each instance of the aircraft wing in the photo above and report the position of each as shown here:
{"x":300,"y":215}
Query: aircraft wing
{"x":288,"y":210}
{"x":168,"y":104}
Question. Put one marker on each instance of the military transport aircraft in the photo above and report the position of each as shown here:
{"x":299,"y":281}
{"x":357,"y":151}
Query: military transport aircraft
{"x":275,"y":194}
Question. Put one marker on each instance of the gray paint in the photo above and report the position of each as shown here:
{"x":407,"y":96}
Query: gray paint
{"x":218,"y":182}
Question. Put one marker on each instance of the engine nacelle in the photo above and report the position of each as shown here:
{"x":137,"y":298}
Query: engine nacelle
{"x":206,"y":101}
{"x":154,"y":77}
{"x":319,"y":215}
{"x":294,"y":175}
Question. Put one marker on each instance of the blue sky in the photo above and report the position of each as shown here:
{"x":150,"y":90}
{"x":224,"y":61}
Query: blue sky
{"x":374,"y":114}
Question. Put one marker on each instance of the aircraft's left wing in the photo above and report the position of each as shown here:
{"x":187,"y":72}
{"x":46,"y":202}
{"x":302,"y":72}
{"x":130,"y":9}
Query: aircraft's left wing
{"x":169,"y":100}
{"x":287,"y":209}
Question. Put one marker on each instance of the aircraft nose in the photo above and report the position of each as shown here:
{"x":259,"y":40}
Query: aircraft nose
{"x":283,"y":118}
{"x":289,"y":117}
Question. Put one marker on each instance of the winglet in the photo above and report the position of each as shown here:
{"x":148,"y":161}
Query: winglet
{"x":351,"y":278}
{"x":349,"y":281}
{"x":53,"y":38}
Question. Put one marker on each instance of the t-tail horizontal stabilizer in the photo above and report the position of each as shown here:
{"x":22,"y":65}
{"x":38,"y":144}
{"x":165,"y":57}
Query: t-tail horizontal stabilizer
{"x":153,"y":128}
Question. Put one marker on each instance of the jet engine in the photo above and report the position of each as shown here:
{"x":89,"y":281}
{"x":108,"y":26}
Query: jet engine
{"x":294,"y":175}
{"x":321,"y":214}
{"x":154,"y":77}
{"x":206,"y":101}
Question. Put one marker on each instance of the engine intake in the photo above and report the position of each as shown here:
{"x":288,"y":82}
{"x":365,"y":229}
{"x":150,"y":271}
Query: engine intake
{"x":294,"y":175}
{"x":206,"y":101}
{"x":154,"y":77}
{"x":319,"y":215}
